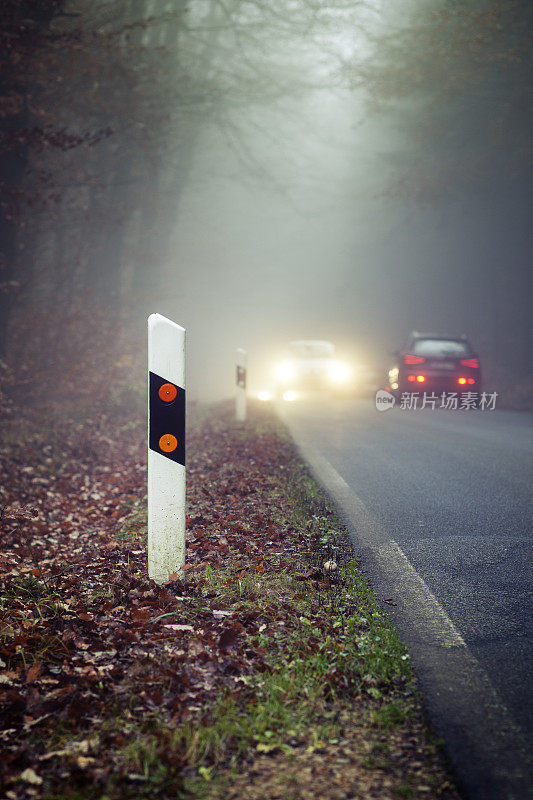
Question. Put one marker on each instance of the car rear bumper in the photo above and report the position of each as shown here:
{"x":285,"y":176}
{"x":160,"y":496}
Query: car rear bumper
{"x":441,"y":382}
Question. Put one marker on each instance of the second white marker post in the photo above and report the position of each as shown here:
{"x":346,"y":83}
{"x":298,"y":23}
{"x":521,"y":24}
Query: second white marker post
{"x":240,"y":381}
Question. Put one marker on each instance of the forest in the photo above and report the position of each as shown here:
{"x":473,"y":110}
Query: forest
{"x":104,"y":112}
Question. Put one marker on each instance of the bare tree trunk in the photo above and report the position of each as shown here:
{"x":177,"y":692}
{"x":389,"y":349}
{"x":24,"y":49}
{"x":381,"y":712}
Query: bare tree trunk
{"x":20,"y":37}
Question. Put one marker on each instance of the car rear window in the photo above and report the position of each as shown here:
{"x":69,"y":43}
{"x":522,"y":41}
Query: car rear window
{"x":439,"y":347}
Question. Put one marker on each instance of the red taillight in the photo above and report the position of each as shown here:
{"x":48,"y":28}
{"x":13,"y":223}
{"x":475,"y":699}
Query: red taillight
{"x":471,"y":362}
{"x":411,"y":377}
{"x":462,"y":381}
{"x":421,"y":378}
{"x":470,"y":381}
{"x":413,"y":360}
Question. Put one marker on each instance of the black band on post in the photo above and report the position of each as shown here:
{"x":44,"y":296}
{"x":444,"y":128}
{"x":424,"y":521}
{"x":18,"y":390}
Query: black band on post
{"x":166,"y":434}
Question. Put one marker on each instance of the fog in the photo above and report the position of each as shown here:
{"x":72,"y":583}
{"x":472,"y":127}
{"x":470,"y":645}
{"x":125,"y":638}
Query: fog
{"x":303,"y":240}
{"x":318,"y":178}
{"x":294,"y":256}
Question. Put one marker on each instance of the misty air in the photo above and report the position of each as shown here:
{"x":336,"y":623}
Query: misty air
{"x":266,"y":385}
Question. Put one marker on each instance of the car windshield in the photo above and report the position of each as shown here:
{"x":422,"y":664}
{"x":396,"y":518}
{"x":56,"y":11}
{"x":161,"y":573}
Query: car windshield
{"x":311,"y":349}
{"x":433,"y":348}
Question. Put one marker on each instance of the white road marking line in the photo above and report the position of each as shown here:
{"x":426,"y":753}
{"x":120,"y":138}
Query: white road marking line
{"x":432,"y":621}
{"x":415,"y":591}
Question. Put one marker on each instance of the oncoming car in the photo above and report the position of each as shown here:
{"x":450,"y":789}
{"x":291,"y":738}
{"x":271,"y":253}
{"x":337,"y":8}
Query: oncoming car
{"x":310,"y":366}
{"x":433,"y":363}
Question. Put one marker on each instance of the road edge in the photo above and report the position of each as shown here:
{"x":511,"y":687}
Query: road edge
{"x":440,"y":655}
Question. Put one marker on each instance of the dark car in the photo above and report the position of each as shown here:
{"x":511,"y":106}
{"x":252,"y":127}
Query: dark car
{"x":433,"y":363}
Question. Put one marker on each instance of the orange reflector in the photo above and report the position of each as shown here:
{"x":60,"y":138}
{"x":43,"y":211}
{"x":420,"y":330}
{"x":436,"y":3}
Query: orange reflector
{"x":461,"y":380}
{"x":411,"y":377}
{"x":471,"y":380}
{"x":168,"y":393}
{"x":420,"y":378}
{"x":168,"y":443}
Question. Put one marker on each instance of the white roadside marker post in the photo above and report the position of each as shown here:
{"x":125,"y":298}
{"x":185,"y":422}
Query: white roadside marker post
{"x":240,"y":396}
{"x":166,"y":447}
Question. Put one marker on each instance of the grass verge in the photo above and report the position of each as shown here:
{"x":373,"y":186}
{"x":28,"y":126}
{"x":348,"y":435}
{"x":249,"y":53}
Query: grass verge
{"x":268,"y":669}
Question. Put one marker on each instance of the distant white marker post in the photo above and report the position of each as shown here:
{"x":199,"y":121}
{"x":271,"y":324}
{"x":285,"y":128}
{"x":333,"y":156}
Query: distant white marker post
{"x":166,"y":447}
{"x":240,"y":380}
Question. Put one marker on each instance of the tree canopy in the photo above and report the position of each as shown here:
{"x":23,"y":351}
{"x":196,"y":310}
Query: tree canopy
{"x":458,"y":80}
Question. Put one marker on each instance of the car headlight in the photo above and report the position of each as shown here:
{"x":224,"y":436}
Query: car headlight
{"x":339,"y":373}
{"x":289,"y":397}
{"x":285,"y":371}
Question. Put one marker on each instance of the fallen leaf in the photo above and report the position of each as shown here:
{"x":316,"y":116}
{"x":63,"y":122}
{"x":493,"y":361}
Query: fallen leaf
{"x":179,"y":627}
{"x":228,"y":638}
{"x":33,"y":672}
{"x":16,"y":513}
{"x":30,"y":776}
{"x":140,"y":615}
{"x":85,"y":761}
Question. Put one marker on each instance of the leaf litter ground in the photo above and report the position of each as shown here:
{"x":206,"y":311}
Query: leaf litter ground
{"x":265,"y":669}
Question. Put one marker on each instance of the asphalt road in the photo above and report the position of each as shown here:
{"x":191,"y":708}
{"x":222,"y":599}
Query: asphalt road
{"x":440,"y":507}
